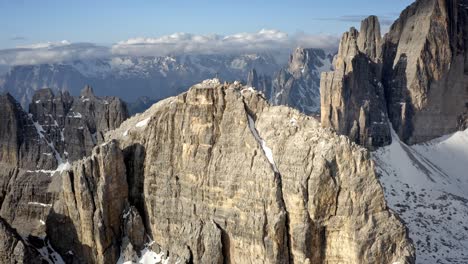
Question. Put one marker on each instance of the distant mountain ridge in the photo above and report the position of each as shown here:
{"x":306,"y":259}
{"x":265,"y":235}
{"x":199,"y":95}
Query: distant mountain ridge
{"x":132,"y":77}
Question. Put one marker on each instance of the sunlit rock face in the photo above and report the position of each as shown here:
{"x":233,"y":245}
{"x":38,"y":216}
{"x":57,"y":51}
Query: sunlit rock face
{"x":225,"y":177}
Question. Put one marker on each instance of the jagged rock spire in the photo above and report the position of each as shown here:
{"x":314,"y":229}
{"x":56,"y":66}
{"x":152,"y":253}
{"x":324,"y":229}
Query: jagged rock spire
{"x":370,"y":38}
{"x":87,"y":91}
{"x":352,"y":97}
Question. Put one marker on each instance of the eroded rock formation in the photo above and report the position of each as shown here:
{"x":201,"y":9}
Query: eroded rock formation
{"x":352,"y":96}
{"x":417,"y":75}
{"x":425,"y":71}
{"x":227,"y":178}
{"x":36,"y":147}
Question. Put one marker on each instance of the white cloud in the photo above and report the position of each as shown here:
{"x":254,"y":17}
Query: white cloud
{"x":175,"y":44}
{"x":264,"y":40}
{"x":51,"y":52}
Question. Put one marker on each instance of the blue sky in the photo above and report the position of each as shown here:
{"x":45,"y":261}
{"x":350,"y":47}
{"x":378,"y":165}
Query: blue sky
{"x":106,"y":22}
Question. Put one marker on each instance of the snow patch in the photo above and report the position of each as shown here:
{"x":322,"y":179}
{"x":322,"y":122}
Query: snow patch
{"x":249,"y":89}
{"x":266,"y":150}
{"x":143,"y":122}
{"x":40,"y":204}
{"x":426,"y":184}
{"x":77,"y":115}
{"x":50,"y":255}
{"x":147,"y":257}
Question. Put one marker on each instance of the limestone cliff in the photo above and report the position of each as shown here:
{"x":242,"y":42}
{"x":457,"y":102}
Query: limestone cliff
{"x":425,"y":70}
{"x":36,"y":146}
{"x":220,"y":176}
{"x":352,"y":96}
{"x":417,"y":74}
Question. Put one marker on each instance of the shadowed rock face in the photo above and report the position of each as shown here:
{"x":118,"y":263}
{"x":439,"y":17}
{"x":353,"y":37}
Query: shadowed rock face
{"x":352,"y":96}
{"x":76,"y":125}
{"x":298,"y":85}
{"x":90,"y":207}
{"x":58,"y":129}
{"x":226,"y":178}
{"x":261,"y":83}
{"x":417,"y":76}
{"x":13,"y":249}
{"x":425,"y":69}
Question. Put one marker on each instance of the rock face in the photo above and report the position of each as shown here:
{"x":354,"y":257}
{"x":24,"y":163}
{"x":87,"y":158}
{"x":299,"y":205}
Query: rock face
{"x":21,"y":143}
{"x":226,"y":178}
{"x":426,"y":69}
{"x":76,"y":125}
{"x":352,"y":96}
{"x":422,"y":64}
{"x":90,"y":206}
{"x":422,"y":67}
{"x":35,"y":147}
{"x":261,"y":83}
{"x":298,"y":85}
{"x":13,"y":249}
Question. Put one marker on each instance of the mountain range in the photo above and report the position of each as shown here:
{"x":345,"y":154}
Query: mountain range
{"x":360,"y":157}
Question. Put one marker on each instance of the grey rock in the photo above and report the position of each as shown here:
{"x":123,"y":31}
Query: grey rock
{"x":21,"y":143}
{"x":134,"y":229}
{"x":262,"y":83}
{"x":425,"y":70}
{"x":58,"y":130}
{"x":76,"y":125}
{"x":352,"y":96}
{"x":298,"y":85}
{"x":13,"y":250}
{"x":90,"y":208}
{"x":370,"y":38}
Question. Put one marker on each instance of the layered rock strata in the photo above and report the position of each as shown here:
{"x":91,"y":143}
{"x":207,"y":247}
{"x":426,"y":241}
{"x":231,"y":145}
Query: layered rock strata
{"x":227,"y":178}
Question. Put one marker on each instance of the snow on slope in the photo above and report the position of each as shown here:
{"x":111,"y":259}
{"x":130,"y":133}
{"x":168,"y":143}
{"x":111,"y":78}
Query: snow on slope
{"x":427,"y":184}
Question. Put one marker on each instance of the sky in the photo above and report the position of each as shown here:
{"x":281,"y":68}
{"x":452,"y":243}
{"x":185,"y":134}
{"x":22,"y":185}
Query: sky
{"x":31,"y":23}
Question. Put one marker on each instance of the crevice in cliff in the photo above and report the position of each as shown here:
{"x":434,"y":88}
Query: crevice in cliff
{"x":278,"y":180}
{"x":266,"y":150}
{"x":225,"y":244}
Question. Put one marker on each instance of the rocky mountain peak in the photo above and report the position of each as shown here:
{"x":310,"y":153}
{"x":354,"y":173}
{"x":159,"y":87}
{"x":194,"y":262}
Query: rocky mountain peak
{"x":205,"y":136}
{"x":297,"y":85}
{"x":347,"y":50}
{"x":87,"y":91}
{"x":425,"y":69}
{"x":352,"y":96}
{"x":370,"y":38}
{"x":252,"y":78}
{"x":35,"y":146}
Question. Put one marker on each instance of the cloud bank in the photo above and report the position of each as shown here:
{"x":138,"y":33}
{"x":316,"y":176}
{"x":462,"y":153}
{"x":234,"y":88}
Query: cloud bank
{"x":51,"y":53}
{"x":175,"y":44}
